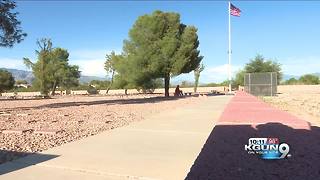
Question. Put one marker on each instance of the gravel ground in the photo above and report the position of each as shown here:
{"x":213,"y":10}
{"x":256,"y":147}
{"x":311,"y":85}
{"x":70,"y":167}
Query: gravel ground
{"x":300,"y":100}
{"x":52,"y":122}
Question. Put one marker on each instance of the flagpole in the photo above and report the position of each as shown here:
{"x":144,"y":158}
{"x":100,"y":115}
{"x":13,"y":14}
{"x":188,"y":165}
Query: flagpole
{"x":229,"y":51}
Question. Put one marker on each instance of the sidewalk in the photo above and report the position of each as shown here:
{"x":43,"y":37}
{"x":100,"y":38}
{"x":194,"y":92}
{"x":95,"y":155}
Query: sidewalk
{"x":223,"y":156}
{"x":161,"y":147}
{"x":246,"y":109}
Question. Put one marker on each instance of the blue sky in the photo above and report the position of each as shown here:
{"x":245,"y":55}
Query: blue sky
{"x":284,"y":31}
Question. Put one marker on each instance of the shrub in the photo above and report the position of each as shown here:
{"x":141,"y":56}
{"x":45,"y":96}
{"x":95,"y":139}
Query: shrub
{"x":92,"y":90}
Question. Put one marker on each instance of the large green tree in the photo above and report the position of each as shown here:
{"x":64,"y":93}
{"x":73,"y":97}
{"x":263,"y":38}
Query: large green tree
{"x":123,"y":76}
{"x":160,"y":46}
{"x":6,"y":80}
{"x":10,"y":30}
{"x":61,"y":73}
{"x":259,"y":64}
{"x":71,"y":77}
{"x":122,"y":72}
{"x":52,"y":68}
{"x":40,"y":68}
{"x":239,"y":79}
{"x":112,"y":60}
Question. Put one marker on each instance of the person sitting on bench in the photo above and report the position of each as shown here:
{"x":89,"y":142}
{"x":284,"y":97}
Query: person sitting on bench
{"x":178,"y":92}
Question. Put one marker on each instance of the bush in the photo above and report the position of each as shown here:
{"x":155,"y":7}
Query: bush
{"x":239,"y":79}
{"x":185,"y":84}
{"x":92,"y":90}
{"x":309,"y":79}
{"x":209,"y":85}
{"x":23,"y":89}
{"x":6,"y":80}
{"x":292,"y":81}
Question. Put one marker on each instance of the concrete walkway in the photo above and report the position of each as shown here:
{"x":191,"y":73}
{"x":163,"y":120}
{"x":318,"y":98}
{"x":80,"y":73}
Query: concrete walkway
{"x":223,"y":157}
{"x":161,"y":147}
{"x":246,"y":109}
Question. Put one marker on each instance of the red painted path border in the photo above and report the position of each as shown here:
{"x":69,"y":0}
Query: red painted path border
{"x":246,"y":109}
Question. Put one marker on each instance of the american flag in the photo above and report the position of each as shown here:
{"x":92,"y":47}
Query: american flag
{"x":234,"y":11}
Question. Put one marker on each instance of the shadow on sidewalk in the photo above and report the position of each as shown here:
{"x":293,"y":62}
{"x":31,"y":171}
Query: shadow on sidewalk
{"x":223,"y":156}
{"x":20,"y":160}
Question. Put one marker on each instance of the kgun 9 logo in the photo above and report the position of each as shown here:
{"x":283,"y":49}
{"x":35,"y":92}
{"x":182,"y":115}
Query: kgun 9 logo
{"x":267,"y":148}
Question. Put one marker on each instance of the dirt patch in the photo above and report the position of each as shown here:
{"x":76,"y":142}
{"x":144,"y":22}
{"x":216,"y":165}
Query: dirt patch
{"x":302,"y":101}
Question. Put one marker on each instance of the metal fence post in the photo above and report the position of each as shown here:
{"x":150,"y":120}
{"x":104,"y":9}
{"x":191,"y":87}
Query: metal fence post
{"x":271,"y":83}
{"x":249,"y":83}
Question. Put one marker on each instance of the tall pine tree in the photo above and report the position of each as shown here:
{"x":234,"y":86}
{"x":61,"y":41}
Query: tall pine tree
{"x":160,"y":46}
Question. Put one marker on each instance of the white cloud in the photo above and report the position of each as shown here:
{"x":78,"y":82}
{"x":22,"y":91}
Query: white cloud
{"x":210,"y":74}
{"x":218,"y":73}
{"x":91,"y":67}
{"x":183,"y":77}
{"x":90,"y":54}
{"x":90,"y":62}
{"x":12,"y":63}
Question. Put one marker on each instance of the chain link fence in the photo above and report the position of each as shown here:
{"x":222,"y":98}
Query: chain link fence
{"x":261,"y":84}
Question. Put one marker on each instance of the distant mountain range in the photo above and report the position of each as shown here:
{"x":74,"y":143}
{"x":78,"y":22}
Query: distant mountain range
{"x":21,"y":74}
{"x":28,"y":76}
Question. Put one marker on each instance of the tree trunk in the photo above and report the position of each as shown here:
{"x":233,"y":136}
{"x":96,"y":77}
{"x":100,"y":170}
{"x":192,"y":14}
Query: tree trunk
{"x":111,"y":82}
{"x":166,"y":85}
{"x":196,"y":83}
{"x":54,"y":88}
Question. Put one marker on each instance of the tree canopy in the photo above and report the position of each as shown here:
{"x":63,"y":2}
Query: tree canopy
{"x":292,"y":81}
{"x":123,"y":76}
{"x":117,"y":66}
{"x":160,"y":46}
{"x":6,"y":80}
{"x":112,"y":61}
{"x":258,"y":65}
{"x":239,"y":79}
{"x":309,"y":79}
{"x":10,"y":30}
{"x":52,"y":68}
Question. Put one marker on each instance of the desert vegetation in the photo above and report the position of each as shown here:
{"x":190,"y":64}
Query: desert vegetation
{"x":307,"y":79}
